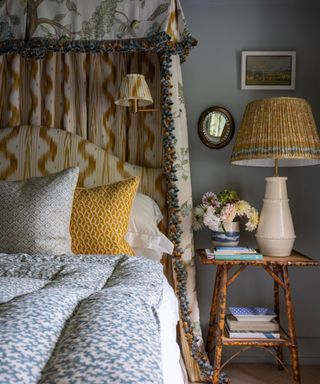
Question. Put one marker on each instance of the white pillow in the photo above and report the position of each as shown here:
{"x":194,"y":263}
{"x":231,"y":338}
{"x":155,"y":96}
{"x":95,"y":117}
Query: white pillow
{"x":151,"y":254}
{"x":143,"y":232}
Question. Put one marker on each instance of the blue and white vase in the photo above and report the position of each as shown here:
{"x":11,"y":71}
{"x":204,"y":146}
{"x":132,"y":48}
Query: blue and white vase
{"x":228,"y":238}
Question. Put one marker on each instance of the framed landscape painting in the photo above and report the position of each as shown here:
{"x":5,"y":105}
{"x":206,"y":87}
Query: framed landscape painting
{"x":268,"y":69}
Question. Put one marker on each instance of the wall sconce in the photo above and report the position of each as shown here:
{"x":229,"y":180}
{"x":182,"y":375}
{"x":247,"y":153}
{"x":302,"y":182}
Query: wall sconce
{"x":135,"y":93}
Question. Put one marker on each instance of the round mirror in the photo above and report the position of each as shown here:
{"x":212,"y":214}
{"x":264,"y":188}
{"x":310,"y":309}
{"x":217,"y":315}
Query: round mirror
{"x":216,"y":127}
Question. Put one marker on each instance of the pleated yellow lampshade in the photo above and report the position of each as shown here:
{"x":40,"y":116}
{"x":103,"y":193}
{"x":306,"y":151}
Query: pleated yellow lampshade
{"x":134,"y":88}
{"x":278,"y":131}
{"x":280,"y":128}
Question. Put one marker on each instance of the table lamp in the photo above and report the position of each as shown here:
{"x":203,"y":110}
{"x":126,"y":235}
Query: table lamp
{"x":135,"y":93}
{"x":276,"y":132}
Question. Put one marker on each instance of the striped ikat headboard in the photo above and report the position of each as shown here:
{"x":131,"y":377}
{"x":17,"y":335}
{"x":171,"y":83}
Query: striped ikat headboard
{"x":28,"y":151}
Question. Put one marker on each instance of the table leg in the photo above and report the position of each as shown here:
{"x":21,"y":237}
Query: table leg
{"x":220,"y":327}
{"x":213,"y":312}
{"x":278,"y":349}
{"x":291,"y":328}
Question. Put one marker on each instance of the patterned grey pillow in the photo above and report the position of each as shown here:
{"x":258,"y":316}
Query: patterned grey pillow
{"x":35,"y":213}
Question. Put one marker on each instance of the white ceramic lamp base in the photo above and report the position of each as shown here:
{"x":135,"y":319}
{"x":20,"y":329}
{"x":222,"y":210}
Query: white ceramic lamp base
{"x":275,"y":234}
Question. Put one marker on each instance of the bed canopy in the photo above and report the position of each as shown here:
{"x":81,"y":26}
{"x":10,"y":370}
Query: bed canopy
{"x":61,"y":65}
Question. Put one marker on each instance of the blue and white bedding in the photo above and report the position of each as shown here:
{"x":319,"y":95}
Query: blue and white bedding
{"x":79,"y":319}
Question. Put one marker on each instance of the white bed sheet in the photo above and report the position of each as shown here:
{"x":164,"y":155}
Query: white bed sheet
{"x":168,"y":313}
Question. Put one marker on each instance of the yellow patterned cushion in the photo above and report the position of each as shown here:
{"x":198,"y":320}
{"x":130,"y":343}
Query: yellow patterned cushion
{"x":100,"y":218}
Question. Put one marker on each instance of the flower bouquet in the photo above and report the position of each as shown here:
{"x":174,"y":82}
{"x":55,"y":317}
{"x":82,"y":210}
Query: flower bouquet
{"x":218,"y":212}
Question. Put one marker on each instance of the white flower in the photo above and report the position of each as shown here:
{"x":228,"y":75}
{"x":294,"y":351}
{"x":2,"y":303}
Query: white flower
{"x":228,"y":213}
{"x":253,"y":219}
{"x":243,"y":208}
{"x":210,"y":219}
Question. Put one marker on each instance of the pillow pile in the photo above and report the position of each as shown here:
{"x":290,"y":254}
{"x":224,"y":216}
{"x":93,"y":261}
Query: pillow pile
{"x":39,"y":214}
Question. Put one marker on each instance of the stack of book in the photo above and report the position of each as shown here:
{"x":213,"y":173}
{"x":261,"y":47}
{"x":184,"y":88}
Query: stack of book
{"x":252,"y":323}
{"x":233,"y":253}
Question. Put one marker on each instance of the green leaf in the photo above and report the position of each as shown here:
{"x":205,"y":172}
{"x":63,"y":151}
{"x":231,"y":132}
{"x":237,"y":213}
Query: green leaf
{"x":185,"y":209}
{"x":180,"y":93}
{"x":45,"y":30}
{"x":15,"y":20}
{"x":72,"y":6}
{"x":158,"y":11}
{"x":101,"y":21}
{"x":6,"y":31}
{"x":135,"y":24}
{"x":59,"y":16}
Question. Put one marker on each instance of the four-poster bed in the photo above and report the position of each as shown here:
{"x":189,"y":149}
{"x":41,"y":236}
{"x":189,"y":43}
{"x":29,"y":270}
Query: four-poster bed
{"x":61,"y":66}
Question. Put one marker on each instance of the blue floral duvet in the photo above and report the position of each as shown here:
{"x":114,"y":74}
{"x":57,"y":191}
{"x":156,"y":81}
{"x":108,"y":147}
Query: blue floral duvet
{"x":79,"y":319}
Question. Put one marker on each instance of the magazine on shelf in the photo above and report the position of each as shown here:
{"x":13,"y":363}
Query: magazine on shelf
{"x":260,"y":326}
{"x":252,"y":313}
{"x":251,"y":334}
{"x":233,"y":250}
{"x":233,"y":256}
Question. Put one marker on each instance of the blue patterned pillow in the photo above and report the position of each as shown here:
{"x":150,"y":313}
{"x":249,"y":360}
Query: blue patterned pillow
{"x":35,"y":213}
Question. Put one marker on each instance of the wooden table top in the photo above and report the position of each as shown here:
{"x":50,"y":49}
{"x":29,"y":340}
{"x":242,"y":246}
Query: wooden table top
{"x":295,"y":259}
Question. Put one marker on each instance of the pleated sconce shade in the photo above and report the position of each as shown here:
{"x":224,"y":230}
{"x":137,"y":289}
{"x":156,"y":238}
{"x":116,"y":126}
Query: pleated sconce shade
{"x":280,"y":128}
{"x":134,"y":87}
{"x":274,"y":132}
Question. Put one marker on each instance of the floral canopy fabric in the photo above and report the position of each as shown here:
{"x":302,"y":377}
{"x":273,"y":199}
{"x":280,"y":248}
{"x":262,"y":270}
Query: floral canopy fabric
{"x":86,"y":47}
{"x":50,"y":23}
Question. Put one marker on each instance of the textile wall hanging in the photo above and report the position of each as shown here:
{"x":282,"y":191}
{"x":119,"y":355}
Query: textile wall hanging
{"x":86,"y":47}
{"x":76,"y":92}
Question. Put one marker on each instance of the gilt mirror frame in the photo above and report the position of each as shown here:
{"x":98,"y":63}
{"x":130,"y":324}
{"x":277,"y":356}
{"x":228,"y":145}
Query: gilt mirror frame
{"x":216,"y":127}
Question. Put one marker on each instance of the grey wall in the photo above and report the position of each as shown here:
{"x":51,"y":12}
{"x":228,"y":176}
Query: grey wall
{"x":212,"y":77}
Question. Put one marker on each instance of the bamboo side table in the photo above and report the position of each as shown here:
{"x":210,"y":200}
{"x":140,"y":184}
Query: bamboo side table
{"x":277,"y":268}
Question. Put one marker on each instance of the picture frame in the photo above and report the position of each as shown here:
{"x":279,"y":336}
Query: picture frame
{"x":268,"y":70}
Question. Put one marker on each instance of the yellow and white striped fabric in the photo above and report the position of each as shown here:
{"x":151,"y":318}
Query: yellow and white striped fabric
{"x":76,"y":92}
{"x":28,"y":151}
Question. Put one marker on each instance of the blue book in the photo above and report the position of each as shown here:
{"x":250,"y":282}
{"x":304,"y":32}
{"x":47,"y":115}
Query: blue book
{"x":239,"y":256}
{"x":233,"y":250}
{"x":234,"y":256}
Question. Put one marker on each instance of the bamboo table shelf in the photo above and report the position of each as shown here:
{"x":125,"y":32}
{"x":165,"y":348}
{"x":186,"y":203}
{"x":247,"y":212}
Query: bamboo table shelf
{"x":277,"y":268}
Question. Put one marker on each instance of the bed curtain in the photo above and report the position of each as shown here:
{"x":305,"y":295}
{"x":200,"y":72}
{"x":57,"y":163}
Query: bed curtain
{"x":61,"y":65}
{"x":76,"y":92}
